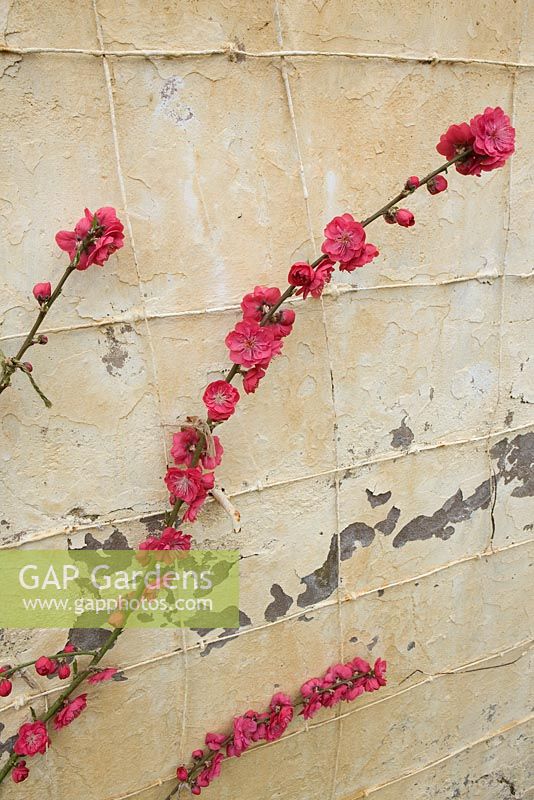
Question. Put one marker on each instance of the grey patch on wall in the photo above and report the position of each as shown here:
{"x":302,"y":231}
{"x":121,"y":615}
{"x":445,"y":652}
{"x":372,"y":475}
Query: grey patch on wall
{"x":227,"y":635}
{"x":7,"y":746}
{"x":117,"y":354}
{"x":88,"y":638}
{"x":402,"y":437}
{"x":377,"y":499}
{"x":389,"y":524}
{"x":117,"y":541}
{"x":171,"y":104}
{"x":354,"y":535}
{"x":281,"y":604}
{"x":153,"y":524}
{"x":321,"y":583}
{"x":441,"y":523}
{"x":515,"y":461}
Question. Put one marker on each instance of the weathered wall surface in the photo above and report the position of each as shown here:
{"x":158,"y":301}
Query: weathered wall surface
{"x":383,"y":470}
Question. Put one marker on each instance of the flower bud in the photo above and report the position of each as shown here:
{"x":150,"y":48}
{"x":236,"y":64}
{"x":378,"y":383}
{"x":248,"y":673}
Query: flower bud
{"x":195,"y":790}
{"x":20,"y":772}
{"x":404,"y":217}
{"x":27,"y":366}
{"x":42,"y":339}
{"x":63,"y":672}
{"x":197,"y":754}
{"x":5,"y":687}
{"x":182,"y":774}
{"x":42,"y":292}
{"x":437,"y":184}
{"x":45,"y":666}
{"x":412,"y":183}
{"x":69,"y":648}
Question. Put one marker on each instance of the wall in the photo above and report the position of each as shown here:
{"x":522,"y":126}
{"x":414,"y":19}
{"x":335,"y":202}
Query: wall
{"x":383,"y":470}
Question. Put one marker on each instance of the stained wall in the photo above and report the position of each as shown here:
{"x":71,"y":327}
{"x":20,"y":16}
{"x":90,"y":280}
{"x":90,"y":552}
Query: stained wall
{"x":383,"y":471}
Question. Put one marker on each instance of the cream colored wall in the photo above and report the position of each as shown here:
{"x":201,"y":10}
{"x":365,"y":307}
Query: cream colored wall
{"x":411,"y":381}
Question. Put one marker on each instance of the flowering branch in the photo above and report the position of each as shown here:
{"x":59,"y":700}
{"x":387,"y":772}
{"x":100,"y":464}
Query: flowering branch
{"x":341,"y":682}
{"x":482,"y":145}
{"x":94,"y":239}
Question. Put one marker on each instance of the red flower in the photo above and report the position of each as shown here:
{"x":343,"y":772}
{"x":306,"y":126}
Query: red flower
{"x":455,"y":140}
{"x":210,"y":772}
{"x":251,"y":345}
{"x":103,"y":675}
{"x":252,"y":378}
{"x":323,"y":274}
{"x":256,"y":304}
{"x":345,"y":238}
{"x":5,"y":687}
{"x":20,"y":772}
{"x":187,"y":484}
{"x":281,"y":323}
{"x":301,"y":274}
{"x":494,"y":138}
{"x":312,"y":696}
{"x":32,"y":738}
{"x":404,"y":217}
{"x":360,"y":665}
{"x":184,"y":444}
{"x":380,"y":671}
{"x":220,"y":398}
{"x":369,"y":252}
{"x":244,"y":729}
{"x":281,"y":714}
{"x":107,"y":236}
{"x":42,"y":292}
{"x":63,"y":672}
{"x":215,"y":740}
{"x":437,"y":184}
{"x":45,"y":666}
{"x":70,"y":711}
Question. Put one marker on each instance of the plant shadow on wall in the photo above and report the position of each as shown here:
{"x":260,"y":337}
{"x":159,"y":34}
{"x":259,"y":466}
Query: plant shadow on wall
{"x":480,"y":146}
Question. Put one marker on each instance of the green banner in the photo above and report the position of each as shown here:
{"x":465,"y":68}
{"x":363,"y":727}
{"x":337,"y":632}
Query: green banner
{"x":119,"y":588}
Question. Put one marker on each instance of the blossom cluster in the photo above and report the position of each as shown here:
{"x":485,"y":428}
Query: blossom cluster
{"x":32,"y":737}
{"x":341,"y":682}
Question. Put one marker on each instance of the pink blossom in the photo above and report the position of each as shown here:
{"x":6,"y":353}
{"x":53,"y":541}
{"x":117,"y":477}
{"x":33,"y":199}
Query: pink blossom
{"x":360,"y":665}
{"x":211,"y":771}
{"x":42,"y":292}
{"x":404,"y":217}
{"x":20,"y":772}
{"x":412,"y":183}
{"x":244,"y":728}
{"x":338,"y":672}
{"x":182,"y":774}
{"x":252,"y":378}
{"x":100,"y":240}
{"x":281,"y":323}
{"x":102,"y":675}
{"x":494,"y":138}
{"x":367,"y":255}
{"x":251,"y":345}
{"x":256,"y":304}
{"x":301,"y":274}
{"x":311,"y":693}
{"x":379,"y":670}
{"x":184,"y":444}
{"x":215,"y":740}
{"x":5,"y":687}
{"x":45,"y":666}
{"x":63,"y":672}
{"x":70,"y":711}
{"x":322,"y":276}
{"x":456,"y":139}
{"x":187,"y":484}
{"x":220,"y":398}
{"x":437,"y":184}
{"x":32,"y":738}
{"x":191,"y":513}
{"x":345,"y":238}
{"x":281,"y":714}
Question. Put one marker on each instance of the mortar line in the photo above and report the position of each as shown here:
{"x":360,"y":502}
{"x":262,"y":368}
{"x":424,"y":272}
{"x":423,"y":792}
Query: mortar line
{"x":233,"y":52}
{"x":122,"y":186}
{"x":332,"y":291}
